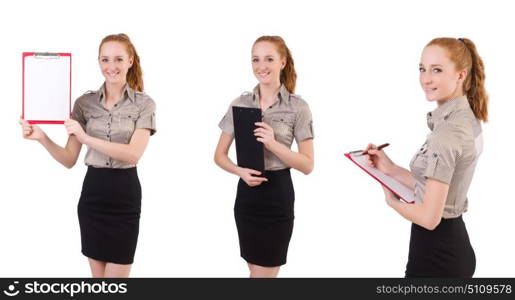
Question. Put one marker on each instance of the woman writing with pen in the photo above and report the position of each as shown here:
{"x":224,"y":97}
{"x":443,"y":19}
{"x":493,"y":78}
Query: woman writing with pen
{"x":452,"y":75}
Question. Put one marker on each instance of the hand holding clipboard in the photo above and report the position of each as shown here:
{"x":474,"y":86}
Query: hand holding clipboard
{"x":46,"y":91}
{"x":31,"y":131}
{"x":377,"y":164}
{"x":249,"y":151}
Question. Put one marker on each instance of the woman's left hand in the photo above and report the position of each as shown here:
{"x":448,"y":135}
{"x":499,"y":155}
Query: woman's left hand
{"x":265,"y":134}
{"x":73,"y":127}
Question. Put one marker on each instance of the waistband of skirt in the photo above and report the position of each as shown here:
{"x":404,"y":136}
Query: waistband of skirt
{"x":443,"y":225}
{"x":452,"y":220}
{"x":111,"y":170}
{"x":281,"y":171}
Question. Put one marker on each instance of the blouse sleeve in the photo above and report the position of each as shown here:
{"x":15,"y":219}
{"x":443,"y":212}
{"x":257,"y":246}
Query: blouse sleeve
{"x":303,"y":128}
{"x":147,"y":118}
{"x":227,"y":124}
{"x":78,"y":114}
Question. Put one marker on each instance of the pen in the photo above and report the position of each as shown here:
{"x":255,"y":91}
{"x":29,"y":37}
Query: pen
{"x":378,"y":148}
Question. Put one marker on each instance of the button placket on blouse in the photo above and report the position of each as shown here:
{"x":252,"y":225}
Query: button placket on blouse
{"x":109,"y":121}
{"x":266,"y":113}
{"x":109,"y":161}
{"x":101,"y":101}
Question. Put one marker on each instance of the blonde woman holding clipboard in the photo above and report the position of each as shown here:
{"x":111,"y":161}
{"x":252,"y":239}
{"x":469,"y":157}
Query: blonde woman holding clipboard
{"x":264,"y":201}
{"x":452,"y":75}
{"x":115,"y":122}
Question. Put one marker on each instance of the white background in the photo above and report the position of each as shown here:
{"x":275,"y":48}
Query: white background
{"x":357,"y":67}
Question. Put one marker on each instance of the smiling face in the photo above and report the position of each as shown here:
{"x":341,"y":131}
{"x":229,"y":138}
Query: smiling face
{"x":115,"y":62}
{"x":267,"y":63}
{"x":438,"y":75}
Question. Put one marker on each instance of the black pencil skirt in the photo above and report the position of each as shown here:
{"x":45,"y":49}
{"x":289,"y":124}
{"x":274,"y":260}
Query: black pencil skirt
{"x":442,"y":252}
{"x":264,"y":219}
{"x":109,"y":211}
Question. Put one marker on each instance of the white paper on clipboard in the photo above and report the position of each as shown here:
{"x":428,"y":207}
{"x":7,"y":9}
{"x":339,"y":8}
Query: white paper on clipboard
{"x":400,"y":190}
{"x":46,"y":87}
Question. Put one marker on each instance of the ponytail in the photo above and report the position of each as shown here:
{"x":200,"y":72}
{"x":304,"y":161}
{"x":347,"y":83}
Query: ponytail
{"x":135,"y":74}
{"x":475,"y":83}
{"x":463,"y":53}
{"x":288,"y":75}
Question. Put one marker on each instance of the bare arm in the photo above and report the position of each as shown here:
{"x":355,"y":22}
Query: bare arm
{"x":302,"y":160}
{"x":66,"y":156}
{"x":223,"y":161}
{"x":428,"y":213}
{"x":222,"y":154}
{"x":402,"y":175}
{"x":130,"y":153}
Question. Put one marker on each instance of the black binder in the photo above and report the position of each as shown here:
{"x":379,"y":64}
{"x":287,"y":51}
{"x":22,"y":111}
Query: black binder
{"x":249,"y":152}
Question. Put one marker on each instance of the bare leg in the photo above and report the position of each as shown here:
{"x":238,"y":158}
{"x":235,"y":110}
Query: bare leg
{"x":113,"y":270}
{"x":263,"y":272}
{"x":97,"y":267}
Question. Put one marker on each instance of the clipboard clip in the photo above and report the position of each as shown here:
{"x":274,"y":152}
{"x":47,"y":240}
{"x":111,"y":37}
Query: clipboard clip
{"x":356,"y":152}
{"x":47,"y":55}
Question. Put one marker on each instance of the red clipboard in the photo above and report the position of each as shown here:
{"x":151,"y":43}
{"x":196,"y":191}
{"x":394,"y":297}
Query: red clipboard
{"x":46,"y":83}
{"x":397,"y":188}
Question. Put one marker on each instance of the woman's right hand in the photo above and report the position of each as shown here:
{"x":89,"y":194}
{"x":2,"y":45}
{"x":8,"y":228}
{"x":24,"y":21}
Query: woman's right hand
{"x":31,"y":131}
{"x":247,"y":176}
{"x":379,"y":160}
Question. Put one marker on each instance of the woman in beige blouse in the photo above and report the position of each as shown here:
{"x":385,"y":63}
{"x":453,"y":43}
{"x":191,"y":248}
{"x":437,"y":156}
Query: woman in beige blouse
{"x":115,"y":122}
{"x":451,"y":74}
{"x":264,"y":202}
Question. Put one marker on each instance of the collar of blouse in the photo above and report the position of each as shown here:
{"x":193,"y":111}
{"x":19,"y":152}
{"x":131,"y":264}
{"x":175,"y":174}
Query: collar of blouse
{"x":128,"y":92}
{"x":283,"y":94}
